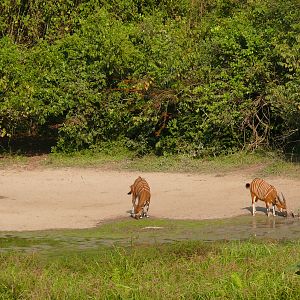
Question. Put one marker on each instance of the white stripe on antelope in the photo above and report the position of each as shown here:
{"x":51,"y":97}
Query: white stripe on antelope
{"x":261,"y":190}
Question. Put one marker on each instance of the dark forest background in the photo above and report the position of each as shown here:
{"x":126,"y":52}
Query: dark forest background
{"x":201,"y":77}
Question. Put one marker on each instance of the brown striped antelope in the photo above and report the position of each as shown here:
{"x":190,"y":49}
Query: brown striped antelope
{"x":140,"y":191}
{"x":261,"y":190}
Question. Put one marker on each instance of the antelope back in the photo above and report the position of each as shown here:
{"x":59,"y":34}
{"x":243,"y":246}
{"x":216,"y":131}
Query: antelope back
{"x":134,"y":186}
{"x":142,"y":187}
{"x":263,"y":190}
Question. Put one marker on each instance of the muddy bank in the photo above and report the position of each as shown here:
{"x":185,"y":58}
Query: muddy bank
{"x":81,"y":198}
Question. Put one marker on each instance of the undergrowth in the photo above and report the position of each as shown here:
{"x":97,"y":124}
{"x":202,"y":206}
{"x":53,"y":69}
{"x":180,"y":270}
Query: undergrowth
{"x":182,"y":270}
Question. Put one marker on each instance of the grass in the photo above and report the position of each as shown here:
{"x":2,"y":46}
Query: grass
{"x":192,"y":269}
{"x":258,"y":163}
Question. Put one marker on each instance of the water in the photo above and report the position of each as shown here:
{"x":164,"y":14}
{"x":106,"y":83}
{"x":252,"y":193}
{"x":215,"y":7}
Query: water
{"x":260,"y":227}
{"x":151,"y":231}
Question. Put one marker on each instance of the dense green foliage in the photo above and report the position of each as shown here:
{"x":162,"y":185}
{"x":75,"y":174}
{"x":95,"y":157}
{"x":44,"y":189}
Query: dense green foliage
{"x":189,"y":76}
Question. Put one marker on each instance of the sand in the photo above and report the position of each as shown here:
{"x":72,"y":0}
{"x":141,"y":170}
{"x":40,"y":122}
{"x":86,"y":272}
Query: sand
{"x":45,"y":198}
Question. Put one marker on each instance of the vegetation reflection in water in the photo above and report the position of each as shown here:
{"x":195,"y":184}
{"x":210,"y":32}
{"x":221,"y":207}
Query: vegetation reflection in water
{"x":126,"y":232}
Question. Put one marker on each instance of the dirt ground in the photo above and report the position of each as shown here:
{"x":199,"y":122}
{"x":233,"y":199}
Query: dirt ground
{"x":80,"y":198}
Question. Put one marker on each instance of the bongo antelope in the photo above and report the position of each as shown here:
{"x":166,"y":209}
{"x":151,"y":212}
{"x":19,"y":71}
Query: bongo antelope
{"x":140,"y":191}
{"x":261,"y":190}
